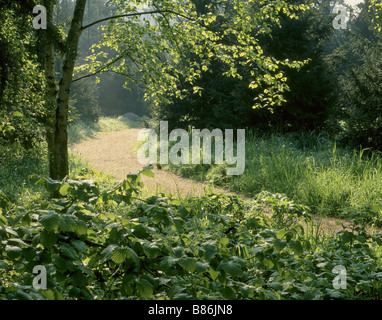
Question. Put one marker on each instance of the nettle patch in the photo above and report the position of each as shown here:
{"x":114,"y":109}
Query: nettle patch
{"x":97,"y":244}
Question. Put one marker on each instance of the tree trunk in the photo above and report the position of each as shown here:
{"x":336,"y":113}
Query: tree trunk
{"x":60,"y":161}
{"x":51,"y":93}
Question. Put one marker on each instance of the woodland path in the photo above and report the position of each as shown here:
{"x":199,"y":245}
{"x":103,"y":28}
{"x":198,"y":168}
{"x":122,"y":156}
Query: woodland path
{"x":114,"y":153}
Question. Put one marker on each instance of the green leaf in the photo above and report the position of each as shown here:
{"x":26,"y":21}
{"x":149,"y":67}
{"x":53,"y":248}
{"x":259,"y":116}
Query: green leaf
{"x":224,"y":241}
{"x":3,"y":265}
{"x":106,"y":253}
{"x":69,"y":251}
{"x":232,"y":268}
{"x":48,"y":294}
{"x":50,"y":220}
{"x":48,"y":239}
{"x":131,"y":254}
{"x":213,"y":274}
{"x":118,"y":255}
{"x":18,"y":114}
{"x":168,"y":262}
{"x":80,"y":227}
{"x":128,"y":283}
{"x":148,"y":173}
{"x":296,"y":247}
{"x":279,"y":244}
{"x":227,"y":292}
{"x":209,"y":251}
{"x":145,"y":289}
{"x":188,"y":264}
{"x":52,"y":186}
{"x":13,"y":252}
{"x":79,"y":245}
{"x":64,"y":190}
{"x":201,"y":267}
{"x":151,"y":250}
{"x":281,"y":234}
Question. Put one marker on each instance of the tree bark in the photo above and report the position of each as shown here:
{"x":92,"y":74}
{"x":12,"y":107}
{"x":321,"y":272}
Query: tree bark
{"x":60,"y":163}
{"x":51,"y":92}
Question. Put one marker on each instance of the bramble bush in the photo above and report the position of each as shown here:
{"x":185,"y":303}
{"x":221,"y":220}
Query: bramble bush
{"x":113,"y":244}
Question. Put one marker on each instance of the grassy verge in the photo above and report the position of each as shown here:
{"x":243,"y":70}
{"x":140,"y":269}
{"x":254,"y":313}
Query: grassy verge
{"x":308,"y":168}
{"x":18,"y":168}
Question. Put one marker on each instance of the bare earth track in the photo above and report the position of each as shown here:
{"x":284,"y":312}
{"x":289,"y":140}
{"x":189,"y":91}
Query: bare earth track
{"x":114,"y":153}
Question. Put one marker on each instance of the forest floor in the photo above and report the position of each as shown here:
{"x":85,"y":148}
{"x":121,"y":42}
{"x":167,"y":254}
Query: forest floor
{"x":115,"y":153}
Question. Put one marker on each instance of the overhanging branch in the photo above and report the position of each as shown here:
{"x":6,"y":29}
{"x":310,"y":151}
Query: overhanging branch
{"x":135,"y":14}
{"x":100,"y":69}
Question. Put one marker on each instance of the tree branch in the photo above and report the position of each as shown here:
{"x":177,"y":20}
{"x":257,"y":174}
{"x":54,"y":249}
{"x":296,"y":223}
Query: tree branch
{"x":101,"y":69}
{"x":135,"y":14}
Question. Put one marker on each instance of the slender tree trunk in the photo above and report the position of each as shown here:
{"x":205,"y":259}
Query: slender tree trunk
{"x":60,"y":161}
{"x":51,"y":87}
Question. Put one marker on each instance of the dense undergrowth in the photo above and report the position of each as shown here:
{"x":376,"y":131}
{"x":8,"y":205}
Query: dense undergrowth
{"x":102,"y":239}
{"x":111,"y":244}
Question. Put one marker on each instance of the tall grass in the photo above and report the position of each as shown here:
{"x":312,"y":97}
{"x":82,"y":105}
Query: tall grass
{"x":16,"y":183}
{"x":313,"y":171}
{"x":307,"y":167}
{"x":18,"y":167}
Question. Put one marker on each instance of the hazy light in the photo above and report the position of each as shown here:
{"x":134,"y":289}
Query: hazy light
{"x":353,"y":2}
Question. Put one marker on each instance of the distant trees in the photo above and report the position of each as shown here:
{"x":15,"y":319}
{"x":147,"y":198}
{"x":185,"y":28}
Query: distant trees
{"x":227,"y":101}
{"x":311,"y":88}
{"x":359,"y":90}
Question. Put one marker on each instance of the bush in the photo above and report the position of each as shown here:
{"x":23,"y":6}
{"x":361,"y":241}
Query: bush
{"x":112,"y":244}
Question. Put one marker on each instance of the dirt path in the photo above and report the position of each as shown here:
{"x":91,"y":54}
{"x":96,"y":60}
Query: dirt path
{"x":114,"y":153}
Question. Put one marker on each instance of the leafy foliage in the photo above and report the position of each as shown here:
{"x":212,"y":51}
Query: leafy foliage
{"x":164,"y":61}
{"x":376,"y":9}
{"x":22,"y":109}
{"x":114,"y":245}
{"x":359,"y":94}
{"x":218,"y":100}
{"x":311,"y":87}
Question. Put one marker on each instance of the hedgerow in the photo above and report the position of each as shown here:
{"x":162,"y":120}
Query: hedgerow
{"x":113,"y":244}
